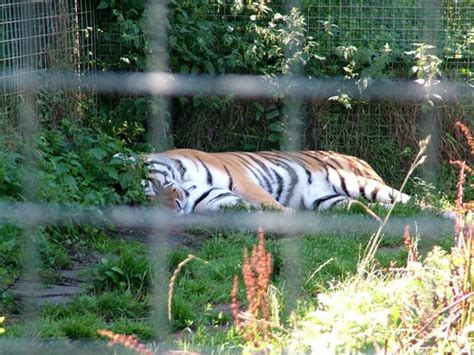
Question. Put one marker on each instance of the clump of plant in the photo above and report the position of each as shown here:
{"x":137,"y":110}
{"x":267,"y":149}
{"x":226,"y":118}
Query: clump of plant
{"x":76,"y":165}
{"x":128,"y":271}
{"x":72,"y":166}
{"x":254,"y":324}
{"x":128,"y":341}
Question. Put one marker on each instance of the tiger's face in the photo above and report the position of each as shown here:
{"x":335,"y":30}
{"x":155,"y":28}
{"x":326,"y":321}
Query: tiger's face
{"x":170,"y":196}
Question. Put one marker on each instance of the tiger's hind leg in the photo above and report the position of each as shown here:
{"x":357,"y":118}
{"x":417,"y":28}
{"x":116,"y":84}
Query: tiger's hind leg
{"x":257,"y":196}
{"x":347,"y":188}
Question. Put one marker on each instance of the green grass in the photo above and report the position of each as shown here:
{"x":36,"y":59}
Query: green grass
{"x":118,"y":287}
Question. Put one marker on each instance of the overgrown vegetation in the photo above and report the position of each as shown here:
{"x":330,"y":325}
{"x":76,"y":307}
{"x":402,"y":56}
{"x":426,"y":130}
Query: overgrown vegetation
{"x":74,"y":166}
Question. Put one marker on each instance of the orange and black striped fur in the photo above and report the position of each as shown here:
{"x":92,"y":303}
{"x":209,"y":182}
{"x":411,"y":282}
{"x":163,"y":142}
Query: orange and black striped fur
{"x":195,"y":181}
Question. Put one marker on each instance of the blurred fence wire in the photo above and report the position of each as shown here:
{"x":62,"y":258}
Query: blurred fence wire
{"x":244,"y":86}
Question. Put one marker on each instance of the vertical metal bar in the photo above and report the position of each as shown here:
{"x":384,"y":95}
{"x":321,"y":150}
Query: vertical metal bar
{"x":294,"y":125}
{"x":29,"y":128}
{"x":159,"y":122}
{"x":160,"y":137}
{"x":431,"y":119}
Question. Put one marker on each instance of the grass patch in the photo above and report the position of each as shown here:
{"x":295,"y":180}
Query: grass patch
{"x":125,"y":269}
{"x":118,"y":291}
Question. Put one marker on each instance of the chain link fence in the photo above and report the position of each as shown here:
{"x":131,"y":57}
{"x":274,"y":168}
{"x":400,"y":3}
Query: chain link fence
{"x":41,"y":35}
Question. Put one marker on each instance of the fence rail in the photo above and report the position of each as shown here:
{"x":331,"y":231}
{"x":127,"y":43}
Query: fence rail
{"x":244,"y":86}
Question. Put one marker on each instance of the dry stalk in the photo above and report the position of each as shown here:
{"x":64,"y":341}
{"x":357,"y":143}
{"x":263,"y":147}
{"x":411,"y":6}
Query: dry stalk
{"x":128,"y":341}
{"x":467,"y":134}
{"x":172,"y":283}
{"x":428,"y":322}
{"x":461,"y":281}
{"x":320,"y":267}
{"x":234,"y":304}
{"x":464,"y":232}
{"x":459,"y":205}
{"x":374,"y":241}
{"x":254,"y":323}
{"x":366,"y":209}
{"x":411,"y":247}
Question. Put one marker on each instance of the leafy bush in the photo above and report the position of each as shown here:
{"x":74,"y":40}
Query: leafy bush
{"x":124,"y":272}
{"x":77,"y":166}
{"x":72,"y":166}
{"x":10,"y":175}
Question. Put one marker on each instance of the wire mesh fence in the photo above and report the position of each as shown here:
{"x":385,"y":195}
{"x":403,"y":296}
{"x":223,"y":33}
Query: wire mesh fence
{"x":43,"y":35}
{"x":49,"y":49}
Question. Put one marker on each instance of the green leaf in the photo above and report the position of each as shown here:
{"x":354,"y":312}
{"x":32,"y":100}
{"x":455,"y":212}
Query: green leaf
{"x":91,"y":197}
{"x":70,"y":181}
{"x":61,"y":168}
{"x":259,"y":107}
{"x":117,"y":270}
{"x":112,"y":172}
{"x":210,"y":67}
{"x":103,"y":5}
{"x":138,"y":5}
{"x":98,"y":153}
{"x":274,"y":138}
{"x":125,"y":179}
{"x":113,"y":276}
{"x":273,"y":114}
{"x":276,"y":127}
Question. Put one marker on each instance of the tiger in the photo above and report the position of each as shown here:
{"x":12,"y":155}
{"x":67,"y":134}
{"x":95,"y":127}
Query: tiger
{"x":188,"y":180}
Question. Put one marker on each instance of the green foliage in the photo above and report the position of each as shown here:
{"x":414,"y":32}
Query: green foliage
{"x":259,"y":40}
{"x":75,"y":165}
{"x":10,"y":175}
{"x":78,"y":166}
{"x":108,"y":305}
{"x":54,"y":254}
{"x":124,"y":46}
{"x":255,"y":40}
{"x":379,"y":311}
{"x":10,"y":258}
{"x":121,"y":26}
{"x":127,"y":270}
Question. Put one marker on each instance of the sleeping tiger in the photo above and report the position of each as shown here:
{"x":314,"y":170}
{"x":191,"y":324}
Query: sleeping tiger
{"x":189,"y":180}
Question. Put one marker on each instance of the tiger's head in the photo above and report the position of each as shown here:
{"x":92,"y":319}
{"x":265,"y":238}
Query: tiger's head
{"x":170,"y":195}
{"x":163,"y":183}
